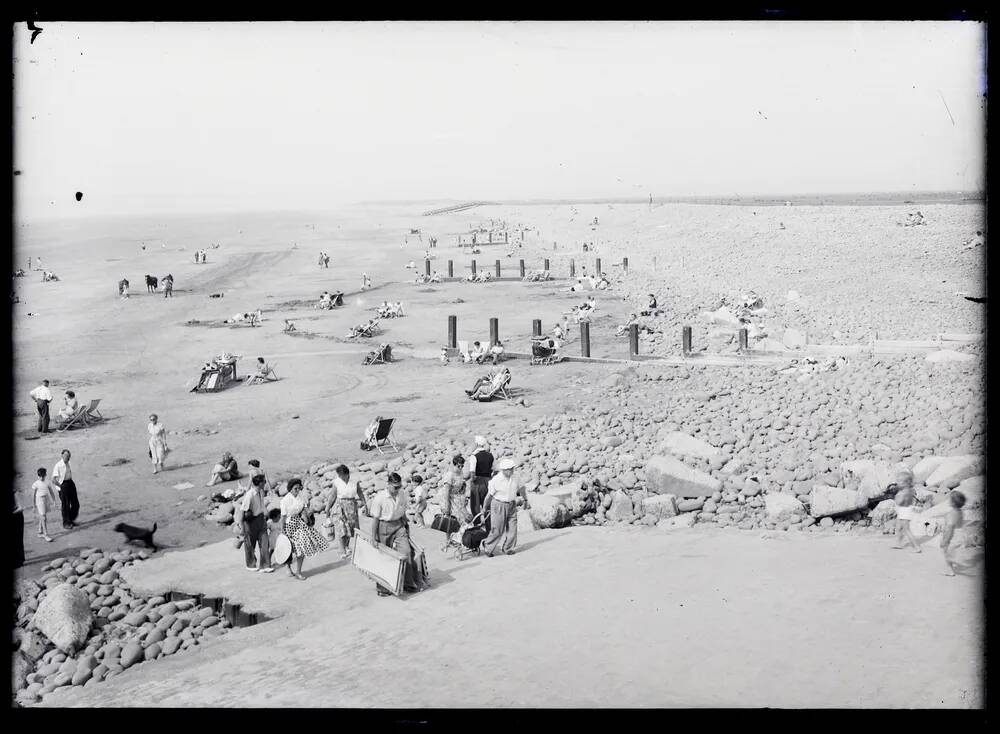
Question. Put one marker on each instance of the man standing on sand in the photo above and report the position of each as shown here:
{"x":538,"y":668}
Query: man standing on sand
{"x":480,"y":469}
{"x":501,"y":502}
{"x":42,"y":397}
{"x":388,"y":513}
{"x":62,"y":478}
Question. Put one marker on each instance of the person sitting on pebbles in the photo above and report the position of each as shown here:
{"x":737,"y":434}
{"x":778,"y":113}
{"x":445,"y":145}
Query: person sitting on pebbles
{"x":225,"y":471}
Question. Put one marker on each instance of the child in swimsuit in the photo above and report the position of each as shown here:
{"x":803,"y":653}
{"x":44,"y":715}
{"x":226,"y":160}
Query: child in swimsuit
{"x":952,"y":521}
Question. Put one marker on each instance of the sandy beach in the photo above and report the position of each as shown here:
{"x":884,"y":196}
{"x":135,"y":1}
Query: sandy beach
{"x":820,"y":617}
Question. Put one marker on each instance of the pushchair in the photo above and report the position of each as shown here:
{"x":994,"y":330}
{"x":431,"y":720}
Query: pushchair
{"x":472,"y":533}
{"x":542,"y":353}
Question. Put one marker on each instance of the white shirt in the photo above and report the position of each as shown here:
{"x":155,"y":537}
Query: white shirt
{"x":389,"y":508}
{"x":61,"y":472}
{"x":41,"y":393}
{"x":346,"y":490}
{"x":291,"y":505}
{"x":502,"y":488}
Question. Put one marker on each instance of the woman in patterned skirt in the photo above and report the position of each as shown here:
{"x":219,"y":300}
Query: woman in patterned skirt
{"x":342,"y":509}
{"x":453,"y":496}
{"x":305,"y":540}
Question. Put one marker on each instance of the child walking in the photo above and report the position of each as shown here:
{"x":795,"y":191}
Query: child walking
{"x":952,"y":521}
{"x":905,"y":511}
{"x":45,"y":499}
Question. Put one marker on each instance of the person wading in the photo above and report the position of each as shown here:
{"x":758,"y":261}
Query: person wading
{"x":480,"y":468}
{"x":62,"y":478}
{"x":390,"y":528}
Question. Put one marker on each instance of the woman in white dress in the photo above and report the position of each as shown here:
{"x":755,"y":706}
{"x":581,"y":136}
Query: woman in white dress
{"x":157,"y":442}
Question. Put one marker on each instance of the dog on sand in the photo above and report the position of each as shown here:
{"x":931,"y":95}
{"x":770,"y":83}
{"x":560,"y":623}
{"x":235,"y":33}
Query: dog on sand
{"x":134,"y":534}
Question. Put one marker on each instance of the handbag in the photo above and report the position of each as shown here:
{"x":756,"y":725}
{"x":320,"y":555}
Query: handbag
{"x":446,"y":523}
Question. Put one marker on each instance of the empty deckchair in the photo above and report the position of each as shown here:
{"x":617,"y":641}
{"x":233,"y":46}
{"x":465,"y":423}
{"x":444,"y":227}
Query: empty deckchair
{"x":463,"y":351}
{"x":380,"y":436}
{"x":382,"y":355}
{"x":497,"y":388}
{"x":93,"y":415}
{"x":79,"y":418}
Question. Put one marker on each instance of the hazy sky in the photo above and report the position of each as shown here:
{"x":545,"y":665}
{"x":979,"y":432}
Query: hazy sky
{"x":173,"y":117}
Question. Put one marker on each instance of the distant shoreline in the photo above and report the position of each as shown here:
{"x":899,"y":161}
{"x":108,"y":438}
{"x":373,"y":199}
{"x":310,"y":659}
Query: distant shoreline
{"x":877,"y":199}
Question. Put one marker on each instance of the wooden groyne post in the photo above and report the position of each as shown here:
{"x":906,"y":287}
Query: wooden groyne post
{"x":625,"y":265}
{"x":546,"y":264}
{"x":584,"y":339}
{"x":536,"y":327}
{"x":633,"y":340}
{"x":494,"y":331}
{"x":453,"y":332}
{"x":451,"y":269}
{"x":522,"y":268}
{"x":498,"y":268}
{"x":427,"y":267}
{"x":743,"y":340}
{"x":473,"y":268}
{"x":686,"y":340}
{"x":572,"y":268}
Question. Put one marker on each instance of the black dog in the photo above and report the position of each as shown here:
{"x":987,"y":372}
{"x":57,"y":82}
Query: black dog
{"x":132,"y":533}
{"x":152,"y":283}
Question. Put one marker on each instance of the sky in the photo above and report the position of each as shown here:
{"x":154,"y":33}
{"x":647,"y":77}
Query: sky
{"x":146,"y":118}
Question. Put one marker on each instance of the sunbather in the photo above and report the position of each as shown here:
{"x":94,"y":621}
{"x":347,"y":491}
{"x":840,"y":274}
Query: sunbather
{"x":289,"y":326}
{"x":225,"y":471}
{"x":481,"y":381}
{"x":496,"y":352}
{"x":477,"y":352}
{"x":70,"y":407}
{"x":484,"y":389}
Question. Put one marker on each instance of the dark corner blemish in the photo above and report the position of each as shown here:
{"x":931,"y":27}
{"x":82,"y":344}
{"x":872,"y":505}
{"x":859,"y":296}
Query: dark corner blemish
{"x":79,"y":195}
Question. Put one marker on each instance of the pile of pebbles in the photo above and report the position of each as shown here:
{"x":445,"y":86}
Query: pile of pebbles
{"x":126,"y":630}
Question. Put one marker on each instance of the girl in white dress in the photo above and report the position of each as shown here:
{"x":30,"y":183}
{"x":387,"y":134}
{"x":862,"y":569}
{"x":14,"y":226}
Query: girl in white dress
{"x":157,"y":442}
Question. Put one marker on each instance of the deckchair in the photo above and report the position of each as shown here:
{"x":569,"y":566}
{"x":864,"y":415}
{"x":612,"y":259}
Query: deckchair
{"x":382,"y":436}
{"x":265,"y":375}
{"x":463,"y":351}
{"x":497,"y":387}
{"x":93,"y":415}
{"x":79,"y":418}
{"x":382,"y":355}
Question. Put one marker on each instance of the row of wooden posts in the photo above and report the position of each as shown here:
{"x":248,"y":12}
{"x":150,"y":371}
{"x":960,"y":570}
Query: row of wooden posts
{"x":572,"y":267}
{"x":633,"y":336}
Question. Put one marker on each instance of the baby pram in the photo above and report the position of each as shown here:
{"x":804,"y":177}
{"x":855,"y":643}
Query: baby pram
{"x":472,"y":534}
{"x":542,"y":353}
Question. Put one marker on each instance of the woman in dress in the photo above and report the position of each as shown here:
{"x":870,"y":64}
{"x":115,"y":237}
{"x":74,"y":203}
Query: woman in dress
{"x":157,"y":442}
{"x":305,"y":540}
{"x":70,"y":406}
{"x":453,"y":496}
{"x":342,"y":508}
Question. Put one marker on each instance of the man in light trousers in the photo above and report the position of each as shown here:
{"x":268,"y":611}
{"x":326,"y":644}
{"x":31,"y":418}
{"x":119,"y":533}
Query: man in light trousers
{"x":501,"y":503}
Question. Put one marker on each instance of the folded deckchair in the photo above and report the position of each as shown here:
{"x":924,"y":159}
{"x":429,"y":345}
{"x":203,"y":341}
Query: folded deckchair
{"x":463,"y":351}
{"x":497,"y":387}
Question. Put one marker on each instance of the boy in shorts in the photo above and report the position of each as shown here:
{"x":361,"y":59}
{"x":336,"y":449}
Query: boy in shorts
{"x":952,"y":521}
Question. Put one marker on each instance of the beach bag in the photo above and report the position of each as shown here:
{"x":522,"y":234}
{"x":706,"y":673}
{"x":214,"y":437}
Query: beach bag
{"x":446,"y":523}
{"x":473,"y":536}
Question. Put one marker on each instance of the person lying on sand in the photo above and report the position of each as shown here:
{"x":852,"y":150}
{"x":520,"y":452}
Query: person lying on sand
{"x":289,"y":326}
{"x":225,"y":471}
{"x":19,"y":273}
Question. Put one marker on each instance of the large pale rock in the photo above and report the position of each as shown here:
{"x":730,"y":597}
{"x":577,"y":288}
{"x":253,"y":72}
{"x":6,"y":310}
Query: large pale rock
{"x":955,"y":469}
{"x":660,"y":506}
{"x":925,"y":467}
{"x":548,"y":512}
{"x":722,"y":316}
{"x":668,"y":475}
{"x":19,"y":669}
{"x":884,"y":513}
{"x":829,"y":501}
{"x":680,"y":521}
{"x":32,"y":645}
{"x":525,"y":524}
{"x":681,"y":444}
{"x":64,"y":617}
{"x":779,"y":504}
{"x":873,"y":477}
{"x":621,"y":507}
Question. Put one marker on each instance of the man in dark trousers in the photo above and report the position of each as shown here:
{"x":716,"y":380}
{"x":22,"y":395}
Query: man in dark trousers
{"x":42,"y":397}
{"x":62,"y":478}
{"x":480,"y":468}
